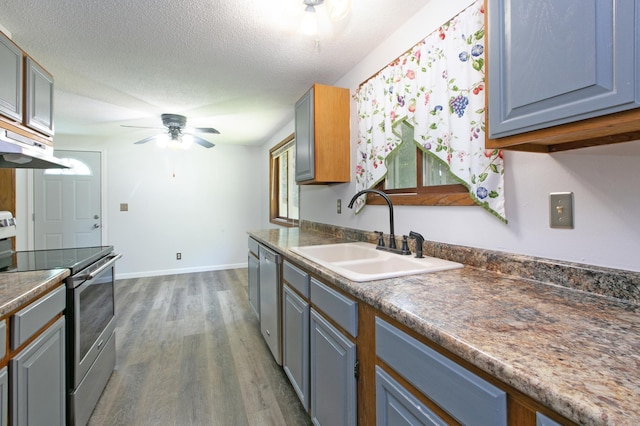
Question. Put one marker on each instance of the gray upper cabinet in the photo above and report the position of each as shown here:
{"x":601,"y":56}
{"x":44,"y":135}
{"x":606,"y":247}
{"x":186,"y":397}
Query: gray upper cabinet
{"x":10,"y":79}
{"x":304,"y":138}
{"x":553,"y":62}
{"x":322,"y":136}
{"x":38,"y":98}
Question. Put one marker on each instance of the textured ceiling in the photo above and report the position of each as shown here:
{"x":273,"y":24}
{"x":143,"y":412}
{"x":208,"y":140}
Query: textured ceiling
{"x":236,"y":65}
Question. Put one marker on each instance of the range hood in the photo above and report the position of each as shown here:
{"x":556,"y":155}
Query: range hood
{"x":19,"y":152}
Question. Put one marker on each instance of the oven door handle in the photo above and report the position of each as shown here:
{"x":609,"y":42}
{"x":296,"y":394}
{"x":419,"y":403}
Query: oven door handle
{"x":91,"y":275}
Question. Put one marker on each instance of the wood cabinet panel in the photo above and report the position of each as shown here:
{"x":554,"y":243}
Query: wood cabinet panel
{"x":322,"y":136}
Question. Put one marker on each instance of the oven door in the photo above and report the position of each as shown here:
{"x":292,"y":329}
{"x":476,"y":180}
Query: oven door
{"x":92,"y":317}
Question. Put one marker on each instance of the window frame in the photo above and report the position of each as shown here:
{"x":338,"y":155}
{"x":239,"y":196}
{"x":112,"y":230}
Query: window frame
{"x":436,"y":195}
{"x":274,"y":188}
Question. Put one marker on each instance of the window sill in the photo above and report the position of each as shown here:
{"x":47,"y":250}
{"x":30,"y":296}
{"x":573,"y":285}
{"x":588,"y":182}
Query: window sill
{"x":448,"y":195}
{"x":289,"y":223}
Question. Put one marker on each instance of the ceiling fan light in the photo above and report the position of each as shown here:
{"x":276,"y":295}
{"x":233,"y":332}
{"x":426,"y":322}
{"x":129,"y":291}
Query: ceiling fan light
{"x":187,"y":141}
{"x":162,"y":140}
{"x":309,"y":21}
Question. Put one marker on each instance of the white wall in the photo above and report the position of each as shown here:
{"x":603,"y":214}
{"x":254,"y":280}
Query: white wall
{"x":199,"y":202}
{"x":605,"y":182}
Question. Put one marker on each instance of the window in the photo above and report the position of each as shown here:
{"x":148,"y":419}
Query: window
{"x":76,"y":168}
{"x":283,"y":189}
{"x":417,"y":178}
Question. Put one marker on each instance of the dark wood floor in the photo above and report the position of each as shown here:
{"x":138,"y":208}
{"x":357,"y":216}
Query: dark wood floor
{"x":190,"y":353}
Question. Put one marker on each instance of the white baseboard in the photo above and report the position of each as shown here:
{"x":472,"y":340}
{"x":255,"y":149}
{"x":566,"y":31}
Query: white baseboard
{"x":142,"y":274}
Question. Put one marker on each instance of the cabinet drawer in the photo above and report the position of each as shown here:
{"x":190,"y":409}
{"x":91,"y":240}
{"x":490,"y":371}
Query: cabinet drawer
{"x":339,"y":308}
{"x":467,"y":397}
{"x":26,"y":322}
{"x":296,"y":278}
{"x":254,"y":246}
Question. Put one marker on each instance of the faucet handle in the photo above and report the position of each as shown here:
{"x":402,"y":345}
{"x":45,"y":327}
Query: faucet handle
{"x":405,"y":246}
{"x":380,"y":238}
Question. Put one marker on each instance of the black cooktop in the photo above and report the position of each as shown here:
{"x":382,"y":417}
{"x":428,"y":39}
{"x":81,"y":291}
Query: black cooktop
{"x":74,"y":259}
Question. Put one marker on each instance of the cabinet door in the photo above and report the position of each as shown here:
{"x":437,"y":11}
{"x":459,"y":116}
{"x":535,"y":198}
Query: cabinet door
{"x":10,"y":79}
{"x":553,"y":62}
{"x":38,"y":380}
{"x":304,"y":131}
{"x":38,"y":98}
{"x":295,"y":343}
{"x":396,"y":406}
{"x":542,"y":420}
{"x":4,"y":397}
{"x":254,"y":283}
{"x":333,"y":382}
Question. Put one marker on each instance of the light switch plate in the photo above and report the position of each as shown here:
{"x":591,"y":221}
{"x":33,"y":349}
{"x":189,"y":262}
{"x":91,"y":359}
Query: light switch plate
{"x":561,"y":210}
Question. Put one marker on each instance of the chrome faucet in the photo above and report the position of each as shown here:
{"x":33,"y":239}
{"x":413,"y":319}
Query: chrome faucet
{"x":392,"y":237}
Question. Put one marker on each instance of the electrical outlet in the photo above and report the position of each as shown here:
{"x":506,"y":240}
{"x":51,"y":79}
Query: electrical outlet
{"x":561,"y":210}
{"x":339,"y":206}
{"x":178,"y":256}
{"x":124,"y":207}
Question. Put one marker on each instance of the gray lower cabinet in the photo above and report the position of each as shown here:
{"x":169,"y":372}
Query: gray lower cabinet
{"x":38,"y":380}
{"x":396,"y":406}
{"x":4,"y":396}
{"x":465,"y":396}
{"x":295,"y":343}
{"x":558,"y":61}
{"x":542,"y":420}
{"x":333,"y":381}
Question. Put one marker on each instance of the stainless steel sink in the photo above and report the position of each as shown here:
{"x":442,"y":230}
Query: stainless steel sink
{"x":363,"y":262}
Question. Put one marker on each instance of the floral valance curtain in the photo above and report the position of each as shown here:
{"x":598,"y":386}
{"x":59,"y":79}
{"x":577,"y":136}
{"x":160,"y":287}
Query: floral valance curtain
{"x":437,"y":87}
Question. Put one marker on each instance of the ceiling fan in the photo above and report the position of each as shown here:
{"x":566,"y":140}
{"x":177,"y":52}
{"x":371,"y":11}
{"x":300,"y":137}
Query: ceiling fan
{"x":175,"y":132}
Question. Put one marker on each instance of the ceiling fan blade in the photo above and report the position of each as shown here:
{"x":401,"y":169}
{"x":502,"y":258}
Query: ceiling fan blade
{"x":145,"y":140}
{"x":141,"y":127}
{"x":205,"y":130}
{"x":202,"y":142}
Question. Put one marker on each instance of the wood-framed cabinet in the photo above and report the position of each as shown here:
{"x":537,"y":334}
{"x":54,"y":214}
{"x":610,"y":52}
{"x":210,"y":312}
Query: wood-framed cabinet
{"x":322,"y":136}
{"x":38,"y":98}
{"x":26,"y":94}
{"x":562,"y":74}
{"x":11,"y":75}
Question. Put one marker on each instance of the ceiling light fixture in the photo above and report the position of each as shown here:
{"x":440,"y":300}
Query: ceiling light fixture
{"x":309,"y":22}
{"x":314,"y":21}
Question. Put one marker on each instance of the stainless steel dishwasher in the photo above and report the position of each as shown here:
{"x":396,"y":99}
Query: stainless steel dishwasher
{"x":270,"y":304}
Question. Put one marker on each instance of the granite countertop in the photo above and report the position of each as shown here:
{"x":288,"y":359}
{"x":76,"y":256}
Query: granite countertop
{"x":18,"y":289}
{"x":574,"y":351}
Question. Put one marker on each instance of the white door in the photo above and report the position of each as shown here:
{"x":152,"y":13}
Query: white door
{"x":67,"y":203}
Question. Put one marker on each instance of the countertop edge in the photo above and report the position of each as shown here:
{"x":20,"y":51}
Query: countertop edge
{"x":18,"y":289}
